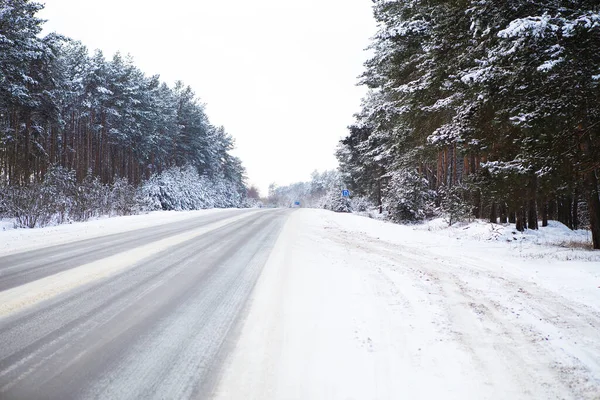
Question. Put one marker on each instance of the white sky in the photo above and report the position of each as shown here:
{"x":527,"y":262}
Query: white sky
{"x":280,"y":75}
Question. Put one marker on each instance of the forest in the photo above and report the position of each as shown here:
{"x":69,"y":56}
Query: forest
{"x":481,"y":109}
{"x":475,"y":109}
{"x":82,"y":134}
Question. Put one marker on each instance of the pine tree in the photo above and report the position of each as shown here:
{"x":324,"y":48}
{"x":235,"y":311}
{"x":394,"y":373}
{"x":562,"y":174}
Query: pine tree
{"x":102,"y":121}
{"x":502,"y":95}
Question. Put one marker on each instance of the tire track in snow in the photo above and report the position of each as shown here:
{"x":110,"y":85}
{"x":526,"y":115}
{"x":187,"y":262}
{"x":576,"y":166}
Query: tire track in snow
{"x":519,"y":343}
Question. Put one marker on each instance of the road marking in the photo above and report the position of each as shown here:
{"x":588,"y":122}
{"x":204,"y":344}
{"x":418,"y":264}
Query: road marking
{"x":29,"y":294}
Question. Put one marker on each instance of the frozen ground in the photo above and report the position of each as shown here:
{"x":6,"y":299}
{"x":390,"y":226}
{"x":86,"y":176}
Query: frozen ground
{"x":352,"y":308}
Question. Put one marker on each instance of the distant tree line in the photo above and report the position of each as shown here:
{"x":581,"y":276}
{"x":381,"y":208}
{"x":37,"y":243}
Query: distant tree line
{"x":311,"y":193}
{"x":61,"y":107}
{"x":323,"y":190}
{"x":486,"y":109}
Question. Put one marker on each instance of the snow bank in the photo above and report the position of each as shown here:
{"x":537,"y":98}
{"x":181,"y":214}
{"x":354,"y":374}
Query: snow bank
{"x":556,"y":241}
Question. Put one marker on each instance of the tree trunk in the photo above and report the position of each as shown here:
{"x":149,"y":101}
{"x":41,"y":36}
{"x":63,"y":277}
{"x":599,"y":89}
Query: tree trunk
{"x":379,"y":200}
{"x":552,"y":209}
{"x":520,"y":220}
{"x":28,"y":149}
{"x":88,"y":147}
{"x":503,"y":213}
{"x":569,"y":212}
{"x":445,"y":167}
{"x":532,"y":213}
{"x":564,"y":211}
{"x":545,"y":214}
{"x":532,"y":220}
{"x":52,"y":145}
{"x":493,"y":213}
{"x":15,"y":166}
{"x":131,"y":165}
{"x":575,"y":211}
{"x":594,"y":207}
{"x":477,"y":205}
{"x":98,"y":162}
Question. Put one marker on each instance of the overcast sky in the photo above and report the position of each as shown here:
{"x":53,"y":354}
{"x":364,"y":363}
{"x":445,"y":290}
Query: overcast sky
{"x":280,"y":75}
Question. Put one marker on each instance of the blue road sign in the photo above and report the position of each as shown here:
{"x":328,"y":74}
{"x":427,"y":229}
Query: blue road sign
{"x":297,"y":203}
{"x":346,"y":193}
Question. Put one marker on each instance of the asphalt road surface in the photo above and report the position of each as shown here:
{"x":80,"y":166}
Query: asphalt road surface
{"x":155,"y":330}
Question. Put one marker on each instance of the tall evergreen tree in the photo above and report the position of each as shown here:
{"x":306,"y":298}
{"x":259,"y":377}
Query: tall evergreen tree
{"x":497,"y":98}
{"x":67,"y":113}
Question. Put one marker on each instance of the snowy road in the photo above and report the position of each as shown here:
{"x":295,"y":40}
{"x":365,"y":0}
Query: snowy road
{"x":299,"y":305}
{"x":21,"y":268}
{"x":140,"y":314}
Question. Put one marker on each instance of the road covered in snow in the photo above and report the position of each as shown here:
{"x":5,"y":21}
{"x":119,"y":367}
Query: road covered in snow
{"x":352,"y":308}
{"x":296,"y":304}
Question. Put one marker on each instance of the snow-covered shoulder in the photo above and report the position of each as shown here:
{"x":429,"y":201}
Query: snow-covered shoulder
{"x":351,"y":307}
{"x":555,"y":241}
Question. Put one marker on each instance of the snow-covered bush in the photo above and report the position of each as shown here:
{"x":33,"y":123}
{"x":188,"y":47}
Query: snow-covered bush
{"x":453,"y":205}
{"x":408,"y":197}
{"x":253,"y":203}
{"x":25,"y":204}
{"x":224,"y":194}
{"x":122,"y":197}
{"x":336,"y":202}
{"x":40,"y":204}
{"x":91,"y":199}
{"x":184,"y":189}
{"x":361,"y":204}
{"x":58,"y":193}
{"x":174,"y":189}
{"x":60,"y":198}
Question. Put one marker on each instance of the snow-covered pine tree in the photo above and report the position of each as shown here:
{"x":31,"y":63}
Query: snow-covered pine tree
{"x":504,"y":94}
{"x":100,"y":119}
